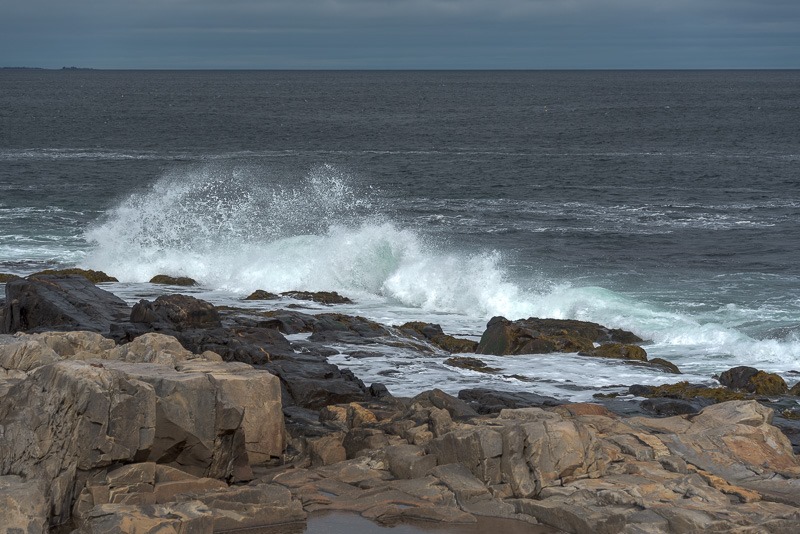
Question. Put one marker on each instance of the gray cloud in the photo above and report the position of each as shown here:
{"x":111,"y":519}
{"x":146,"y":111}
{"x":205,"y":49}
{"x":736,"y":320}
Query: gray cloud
{"x":401,"y":33}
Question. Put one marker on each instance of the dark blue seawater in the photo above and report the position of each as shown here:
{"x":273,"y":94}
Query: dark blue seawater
{"x":662,"y":202}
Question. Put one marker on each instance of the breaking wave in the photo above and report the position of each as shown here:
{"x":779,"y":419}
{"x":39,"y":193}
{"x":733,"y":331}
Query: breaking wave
{"x":239,"y":229}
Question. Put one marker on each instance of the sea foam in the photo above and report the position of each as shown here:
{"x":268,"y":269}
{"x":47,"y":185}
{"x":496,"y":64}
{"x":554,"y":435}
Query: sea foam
{"x":235,"y":230}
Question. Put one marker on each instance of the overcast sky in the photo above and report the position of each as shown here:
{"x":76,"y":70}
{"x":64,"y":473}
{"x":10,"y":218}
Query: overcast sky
{"x":392,"y":34}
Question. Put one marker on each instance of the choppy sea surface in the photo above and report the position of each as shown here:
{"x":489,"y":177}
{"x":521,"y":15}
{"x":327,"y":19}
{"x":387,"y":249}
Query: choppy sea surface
{"x":661,"y":202}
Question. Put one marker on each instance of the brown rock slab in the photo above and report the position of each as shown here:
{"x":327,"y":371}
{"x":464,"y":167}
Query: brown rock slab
{"x":327,"y":450}
{"x":189,"y":517}
{"x":573,"y":518}
{"x":255,"y":506}
{"x":735,"y":441}
{"x":23,"y":506}
{"x":460,"y":480}
{"x":409,"y":461}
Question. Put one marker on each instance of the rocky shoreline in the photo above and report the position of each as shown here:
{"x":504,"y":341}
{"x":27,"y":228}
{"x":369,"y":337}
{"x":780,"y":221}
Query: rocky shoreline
{"x":178,"y":415}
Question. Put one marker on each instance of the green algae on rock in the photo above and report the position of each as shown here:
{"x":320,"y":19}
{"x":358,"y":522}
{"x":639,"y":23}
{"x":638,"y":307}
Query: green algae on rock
{"x":5,"y":277}
{"x":687,"y":391}
{"x":618,"y":351}
{"x":754,"y":381}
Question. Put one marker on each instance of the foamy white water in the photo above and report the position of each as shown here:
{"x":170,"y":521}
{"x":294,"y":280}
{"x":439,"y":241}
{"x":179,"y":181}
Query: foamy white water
{"x":234,"y":233}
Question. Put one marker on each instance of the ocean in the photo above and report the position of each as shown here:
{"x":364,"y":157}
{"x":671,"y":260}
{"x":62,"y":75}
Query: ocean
{"x":662,"y":202}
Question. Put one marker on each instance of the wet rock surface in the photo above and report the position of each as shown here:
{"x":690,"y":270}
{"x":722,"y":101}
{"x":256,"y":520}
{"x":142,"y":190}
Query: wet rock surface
{"x":323,"y":297}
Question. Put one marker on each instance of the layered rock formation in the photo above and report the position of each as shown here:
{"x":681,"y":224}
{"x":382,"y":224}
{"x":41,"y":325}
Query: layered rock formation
{"x":79,"y":404}
{"x":188,"y":418}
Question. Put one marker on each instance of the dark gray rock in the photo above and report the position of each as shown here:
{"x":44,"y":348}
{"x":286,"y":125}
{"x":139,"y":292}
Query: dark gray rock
{"x":60,"y":303}
{"x":738,"y":377}
{"x":542,"y":336}
{"x":315,"y":384}
{"x":176,"y":312}
{"x":668,"y":407}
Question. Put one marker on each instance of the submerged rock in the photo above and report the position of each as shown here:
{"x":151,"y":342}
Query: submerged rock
{"x":473,"y":364}
{"x":337,"y":327}
{"x":665,"y":365}
{"x":665,"y":407}
{"x":323,"y":297}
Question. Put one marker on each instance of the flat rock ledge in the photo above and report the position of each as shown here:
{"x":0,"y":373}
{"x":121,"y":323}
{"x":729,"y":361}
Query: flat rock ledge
{"x":148,"y":436}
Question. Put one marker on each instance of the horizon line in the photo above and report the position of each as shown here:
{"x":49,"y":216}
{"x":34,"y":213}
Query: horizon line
{"x":403,"y":69}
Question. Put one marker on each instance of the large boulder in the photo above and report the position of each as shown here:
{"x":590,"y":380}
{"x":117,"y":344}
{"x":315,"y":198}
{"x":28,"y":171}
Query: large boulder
{"x":176,"y":312}
{"x":755,"y":381}
{"x":542,"y":336}
{"x":50,"y":302}
{"x":530,"y":449}
{"x":70,"y":418}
